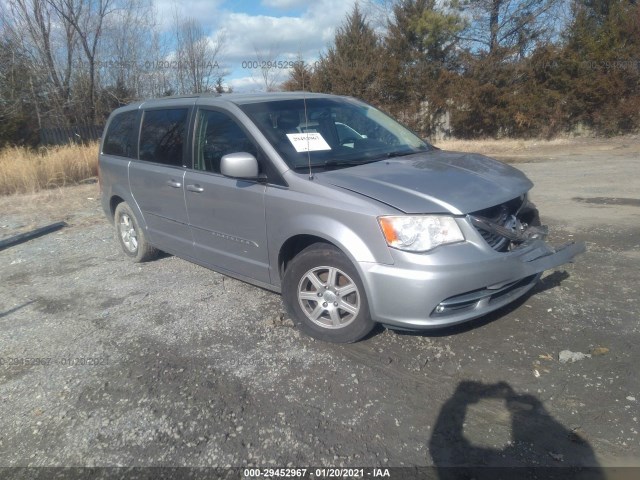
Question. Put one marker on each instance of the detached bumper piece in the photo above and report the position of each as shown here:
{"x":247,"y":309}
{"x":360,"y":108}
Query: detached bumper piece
{"x":533,"y":264}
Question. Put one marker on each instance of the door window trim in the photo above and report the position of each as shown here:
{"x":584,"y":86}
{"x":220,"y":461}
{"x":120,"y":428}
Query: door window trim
{"x":186,"y":151}
{"x":273,"y":176}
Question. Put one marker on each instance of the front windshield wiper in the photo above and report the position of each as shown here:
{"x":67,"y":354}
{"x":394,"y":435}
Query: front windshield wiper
{"x":400,"y":154}
{"x":335,"y":163}
{"x":352,"y":163}
{"x":345,"y":163}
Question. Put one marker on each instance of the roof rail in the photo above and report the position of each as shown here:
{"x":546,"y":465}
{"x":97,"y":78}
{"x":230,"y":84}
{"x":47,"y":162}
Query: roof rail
{"x":190,"y":95}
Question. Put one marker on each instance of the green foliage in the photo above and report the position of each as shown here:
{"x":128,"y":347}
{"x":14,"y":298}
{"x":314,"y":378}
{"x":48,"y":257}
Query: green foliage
{"x":604,"y":43}
{"x":351,"y":65}
{"x":300,"y":78}
{"x":591,"y":80}
{"x":494,"y":73}
{"x":492,"y":67}
{"x":421,"y":45}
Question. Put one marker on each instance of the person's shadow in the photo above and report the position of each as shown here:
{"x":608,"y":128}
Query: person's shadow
{"x":538,"y":444}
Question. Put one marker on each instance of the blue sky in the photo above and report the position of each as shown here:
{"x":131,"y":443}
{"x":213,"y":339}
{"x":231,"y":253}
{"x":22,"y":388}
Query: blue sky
{"x":279,"y":29}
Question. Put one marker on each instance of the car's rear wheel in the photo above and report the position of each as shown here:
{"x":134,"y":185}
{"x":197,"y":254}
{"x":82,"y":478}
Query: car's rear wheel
{"x":131,"y":237}
{"x":325,"y":297}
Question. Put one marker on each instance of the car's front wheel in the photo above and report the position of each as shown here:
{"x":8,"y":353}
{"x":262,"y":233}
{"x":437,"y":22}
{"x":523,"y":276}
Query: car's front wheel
{"x":325,"y":297}
{"x":131,"y":237}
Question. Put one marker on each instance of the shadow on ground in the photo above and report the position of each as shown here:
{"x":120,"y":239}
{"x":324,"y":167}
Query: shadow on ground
{"x":494,"y":432}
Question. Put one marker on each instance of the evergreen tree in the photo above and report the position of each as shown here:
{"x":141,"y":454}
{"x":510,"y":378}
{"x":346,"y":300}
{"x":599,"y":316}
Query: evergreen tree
{"x":352,"y":64}
{"x":421,"y":57}
{"x":300,"y":77}
{"x":603,"y":43}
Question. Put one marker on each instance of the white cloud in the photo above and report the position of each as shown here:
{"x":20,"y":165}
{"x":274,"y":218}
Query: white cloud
{"x":284,"y":3}
{"x":276,"y":37}
{"x":206,"y":12}
{"x":281,"y":38}
{"x":245,"y":85}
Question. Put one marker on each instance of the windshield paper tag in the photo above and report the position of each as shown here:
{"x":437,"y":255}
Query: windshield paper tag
{"x":308,"y":142}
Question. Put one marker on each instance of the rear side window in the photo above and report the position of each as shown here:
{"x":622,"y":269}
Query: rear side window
{"x":163,"y":134}
{"x":122,"y":136}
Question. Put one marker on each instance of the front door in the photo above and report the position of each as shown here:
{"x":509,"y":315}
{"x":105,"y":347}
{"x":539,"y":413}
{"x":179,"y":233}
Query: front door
{"x":226,"y":215}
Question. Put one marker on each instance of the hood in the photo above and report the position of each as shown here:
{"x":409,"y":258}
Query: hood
{"x":433,"y":182}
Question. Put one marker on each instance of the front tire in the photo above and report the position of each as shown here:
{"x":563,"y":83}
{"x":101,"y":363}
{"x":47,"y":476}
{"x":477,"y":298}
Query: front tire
{"x":325,"y":297}
{"x":131,"y":237}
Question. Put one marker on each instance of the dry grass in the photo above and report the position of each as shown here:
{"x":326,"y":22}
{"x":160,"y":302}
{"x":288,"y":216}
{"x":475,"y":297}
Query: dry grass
{"x":24,"y":170}
{"x":504,"y":146}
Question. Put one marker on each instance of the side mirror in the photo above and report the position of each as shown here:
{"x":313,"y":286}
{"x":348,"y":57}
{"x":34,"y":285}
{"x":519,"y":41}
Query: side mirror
{"x":239,"y":165}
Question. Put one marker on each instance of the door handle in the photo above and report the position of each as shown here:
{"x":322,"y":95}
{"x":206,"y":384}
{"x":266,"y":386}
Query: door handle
{"x":174,"y":184}
{"x":195,"y":188}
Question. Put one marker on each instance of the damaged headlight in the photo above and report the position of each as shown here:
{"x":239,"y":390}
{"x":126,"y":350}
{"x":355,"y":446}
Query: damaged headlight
{"x":419,"y":233}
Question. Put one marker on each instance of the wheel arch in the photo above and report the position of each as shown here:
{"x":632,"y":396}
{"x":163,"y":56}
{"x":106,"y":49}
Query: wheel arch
{"x":358,"y":325}
{"x":114,"y":201}
{"x":296,"y":244}
{"x":118,"y":197}
{"x":355,"y":248}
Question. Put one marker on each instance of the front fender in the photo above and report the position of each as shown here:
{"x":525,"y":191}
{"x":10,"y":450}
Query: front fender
{"x":370,"y":248}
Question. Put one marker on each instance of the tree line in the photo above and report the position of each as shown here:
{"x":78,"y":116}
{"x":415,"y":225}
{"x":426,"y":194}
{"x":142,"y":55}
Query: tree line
{"x":477,"y":68}
{"x":491,"y":68}
{"x":67,"y":63}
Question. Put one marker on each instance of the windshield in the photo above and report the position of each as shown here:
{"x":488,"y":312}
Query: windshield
{"x":334,"y":132}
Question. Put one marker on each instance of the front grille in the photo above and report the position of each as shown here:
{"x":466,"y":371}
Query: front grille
{"x":503,"y":215}
{"x":495,"y":241}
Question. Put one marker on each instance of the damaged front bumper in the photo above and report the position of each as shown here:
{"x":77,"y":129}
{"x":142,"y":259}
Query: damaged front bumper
{"x":534,"y":263}
{"x":460,"y":282}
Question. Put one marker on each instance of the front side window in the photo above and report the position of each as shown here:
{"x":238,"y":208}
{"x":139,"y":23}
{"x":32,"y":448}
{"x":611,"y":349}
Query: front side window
{"x":217,"y":135}
{"x":162,"y":138}
{"x":331,"y":132}
{"x":122,"y":135}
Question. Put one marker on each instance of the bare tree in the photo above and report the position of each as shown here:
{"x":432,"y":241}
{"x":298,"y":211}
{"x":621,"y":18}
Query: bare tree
{"x":87,"y":18}
{"x":196,"y":57}
{"x":378,"y":12}
{"x":47,"y":42}
{"x":269,"y":67}
{"x":513,"y":26}
{"x":128,"y":34}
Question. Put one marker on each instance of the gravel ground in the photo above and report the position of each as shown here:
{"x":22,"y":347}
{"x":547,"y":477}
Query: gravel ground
{"x":108,"y":363}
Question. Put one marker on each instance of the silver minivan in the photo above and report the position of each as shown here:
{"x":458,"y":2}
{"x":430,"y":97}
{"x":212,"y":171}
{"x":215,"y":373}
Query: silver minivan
{"x":347,"y":213}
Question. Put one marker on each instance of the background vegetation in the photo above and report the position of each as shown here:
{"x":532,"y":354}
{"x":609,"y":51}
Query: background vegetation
{"x":27,"y":170}
{"x":491,"y":68}
{"x":465,"y":68}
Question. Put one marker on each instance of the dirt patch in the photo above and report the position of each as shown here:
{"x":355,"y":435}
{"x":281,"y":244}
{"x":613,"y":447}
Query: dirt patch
{"x":527,"y":151}
{"x":77,"y":205}
{"x":634,"y":202}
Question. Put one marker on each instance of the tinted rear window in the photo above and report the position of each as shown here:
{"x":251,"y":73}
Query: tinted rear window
{"x":163,"y":136}
{"x":122,"y":137}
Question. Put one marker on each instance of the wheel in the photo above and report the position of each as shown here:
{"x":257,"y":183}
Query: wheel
{"x":325,"y":297}
{"x":131,"y":236}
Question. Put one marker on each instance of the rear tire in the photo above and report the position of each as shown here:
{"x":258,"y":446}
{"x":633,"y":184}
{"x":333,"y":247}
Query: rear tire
{"x":131,"y":237}
{"x":325,"y":297}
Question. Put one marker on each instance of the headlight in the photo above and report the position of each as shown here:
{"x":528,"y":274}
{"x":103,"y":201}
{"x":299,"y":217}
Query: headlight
{"x":420,"y":233}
